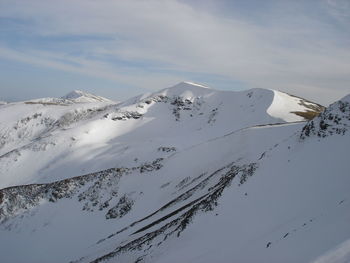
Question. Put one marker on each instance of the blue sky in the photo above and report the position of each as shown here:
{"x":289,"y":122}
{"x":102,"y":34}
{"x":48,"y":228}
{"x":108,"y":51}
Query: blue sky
{"x":118,"y":48}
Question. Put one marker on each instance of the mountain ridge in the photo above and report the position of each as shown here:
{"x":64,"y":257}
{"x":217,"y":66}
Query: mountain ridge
{"x":142,"y":180}
{"x":81,"y":96}
{"x":200,"y":113}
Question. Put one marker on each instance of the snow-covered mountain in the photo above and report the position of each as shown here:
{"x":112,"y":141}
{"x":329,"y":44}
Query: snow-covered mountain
{"x":185,"y":174}
{"x":59,"y":141}
{"x":24,"y":123}
{"x":80,"y":96}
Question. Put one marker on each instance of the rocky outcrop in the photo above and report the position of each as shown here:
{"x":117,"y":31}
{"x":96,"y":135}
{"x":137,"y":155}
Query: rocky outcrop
{"x":334,"y":120}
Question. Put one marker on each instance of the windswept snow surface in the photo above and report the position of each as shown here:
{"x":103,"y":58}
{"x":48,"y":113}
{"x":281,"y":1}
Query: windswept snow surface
{"x":282,"y":101}
{"x":186,"y":174}
{"x":62,"y":140}
{"x":80,"y":96}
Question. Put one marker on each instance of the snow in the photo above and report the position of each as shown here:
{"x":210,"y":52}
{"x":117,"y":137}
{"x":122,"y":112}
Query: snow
{"x":174,"y":148}
{"x":346,"y":98}
{"x":187,"y":90}
{"x":85,"y":135}
{"x":290,"y":189}
{"x":80,"y":96}
{"x":283,"y":101}
{"x":195,"y":84}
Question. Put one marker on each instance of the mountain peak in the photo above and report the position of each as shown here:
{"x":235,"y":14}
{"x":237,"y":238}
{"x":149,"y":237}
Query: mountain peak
{"x":190,"y":83}
{"x":74,"y":94}
{"x":185,"y":89}
{"x":81,"y":96}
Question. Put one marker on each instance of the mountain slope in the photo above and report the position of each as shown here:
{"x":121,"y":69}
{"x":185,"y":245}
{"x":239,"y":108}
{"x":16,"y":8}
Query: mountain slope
{"x":292,"y":206}
{"x":80,"y":96}
{"x":59,"y":141}
{"x":24,"y":122}
{"x":235,"y":185}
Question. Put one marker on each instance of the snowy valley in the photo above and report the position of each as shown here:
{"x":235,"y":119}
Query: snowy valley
{"x":185,"y":174}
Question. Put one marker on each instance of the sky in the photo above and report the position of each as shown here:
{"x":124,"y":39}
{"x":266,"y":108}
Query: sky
{"x":122,"y":48}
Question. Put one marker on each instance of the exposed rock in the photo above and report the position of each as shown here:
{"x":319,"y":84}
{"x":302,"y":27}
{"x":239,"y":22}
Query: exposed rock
{"x":334,"y":120}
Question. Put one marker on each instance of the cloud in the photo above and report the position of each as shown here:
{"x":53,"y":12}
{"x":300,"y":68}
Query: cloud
{"x":340,"y":9}
{"x":127,"y":41}
{"x":340,"y":254}
{"x":89,"y":68}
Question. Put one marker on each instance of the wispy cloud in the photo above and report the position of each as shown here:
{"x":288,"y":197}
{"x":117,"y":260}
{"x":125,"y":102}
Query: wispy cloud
{"x":340,"y":254}
{"x":340,"y":9}
{"x":154,"y":43}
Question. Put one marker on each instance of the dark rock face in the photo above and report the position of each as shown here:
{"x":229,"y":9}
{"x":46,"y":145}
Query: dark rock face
{"x":334,"y":120}
{"x":122,"y":208}
{"x":180,"y":104}
{"x":148,"y":167}
{"x":166,"y":149}
{"x":95,"y":191}
{"x":177,"y":104}
{"x":126,"y":115}
{"x":22,"y":198}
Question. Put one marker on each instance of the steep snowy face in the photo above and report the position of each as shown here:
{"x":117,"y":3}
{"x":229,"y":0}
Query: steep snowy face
{"x":291,"y":108}
{"x":80,"y":96}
